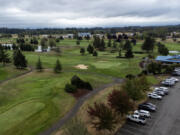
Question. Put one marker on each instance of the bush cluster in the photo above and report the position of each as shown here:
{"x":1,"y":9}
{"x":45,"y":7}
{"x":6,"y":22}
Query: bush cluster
{"x":77,"y":83}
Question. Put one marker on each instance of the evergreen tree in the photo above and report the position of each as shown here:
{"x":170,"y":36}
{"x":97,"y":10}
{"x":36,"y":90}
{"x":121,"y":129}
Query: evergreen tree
{"x":78,"y":42}
{"x":58,"y":67}
{"x":162,"y":49}
{"x":4,"y":57}
{"x":95,"y":53}
{"x":127,"y":45}
{"x":90,"y":49}
{"x":19,"y":59}
{"x":148,"y":44}
{"x":114,"y":45}
{"x":129,"y":54}
{"x":102,"y":45}
{"x":109,"y":43}
{"x":39,"y":65}
{"x":82,"y":51}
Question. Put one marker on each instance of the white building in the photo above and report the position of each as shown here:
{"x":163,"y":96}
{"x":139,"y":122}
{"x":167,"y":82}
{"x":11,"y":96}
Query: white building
{"x":84,"y":34}
{"x":39,"y":49}
{"x":8,"y":45}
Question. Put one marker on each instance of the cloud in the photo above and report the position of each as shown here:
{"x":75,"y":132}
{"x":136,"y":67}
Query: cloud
{"x":87,"y":13}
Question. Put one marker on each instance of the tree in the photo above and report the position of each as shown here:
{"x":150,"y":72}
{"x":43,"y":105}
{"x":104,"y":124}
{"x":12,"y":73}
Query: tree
{"x":4,"y":57}
{"x":95,"y":53}
{"x":19,"y":59}
{"x":162,"y":49}
{"x":109,"y":43}
{"x":82,"y":51}
{"x":133,"y":89}
{"x":44,"y":43}
{"x":90,"y":49}
{"x":102,"y":117}
{"x":39,"y":65}
{"x":120,"y":101}
{"x":58,"y":67}
{"x":52,"y":42}
{"x":114,"y":45}
{"x":129,"y":54}
{"x":148,"y":44}
{"x":127,"y":46}
{"x":78,"y":42}
{"x":102,"y":45}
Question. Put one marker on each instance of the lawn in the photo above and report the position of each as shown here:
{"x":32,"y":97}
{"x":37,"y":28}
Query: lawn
{"x":31,"y":103}
{"x":8,"y":72}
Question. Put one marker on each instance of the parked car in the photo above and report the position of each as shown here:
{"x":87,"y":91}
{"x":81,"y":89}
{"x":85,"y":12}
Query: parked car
{"x":168,"y":82}
{"x":137,"y":119}
{"x":154,"y":96}
{"x":142,"y":113}
{"x":174,"y":79}
{"x":147,"y":107}
{"x":176,"y":73}
{"x":164,"y":89}
{"x":150,"y":104}
{"x":159,"y":92}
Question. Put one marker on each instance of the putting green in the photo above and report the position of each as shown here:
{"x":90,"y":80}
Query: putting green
{"x":18,"y":114}
{"x":105,"y":64}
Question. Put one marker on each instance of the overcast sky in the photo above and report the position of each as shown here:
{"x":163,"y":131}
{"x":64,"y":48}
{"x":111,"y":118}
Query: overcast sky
{"x":88,"y":13}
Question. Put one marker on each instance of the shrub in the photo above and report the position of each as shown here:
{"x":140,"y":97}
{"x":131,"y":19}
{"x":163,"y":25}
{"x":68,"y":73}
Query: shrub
{"x":76,"y":127}
{"x":70,"y":88}
{"x":76,"y":81}
{"x":87,"y":86}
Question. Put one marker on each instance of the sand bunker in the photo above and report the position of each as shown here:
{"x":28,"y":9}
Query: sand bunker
{"x":81,"y":66}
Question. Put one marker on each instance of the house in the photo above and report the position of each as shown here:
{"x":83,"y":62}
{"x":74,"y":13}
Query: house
{"x":39,"y":49}
{"x":84,"y":35}
{"x":8,"y":45}
{"x":68,"y":36}
{"x":168,"y":59}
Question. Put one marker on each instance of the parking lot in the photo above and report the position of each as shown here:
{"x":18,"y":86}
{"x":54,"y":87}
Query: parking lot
{"x":165,"y":121}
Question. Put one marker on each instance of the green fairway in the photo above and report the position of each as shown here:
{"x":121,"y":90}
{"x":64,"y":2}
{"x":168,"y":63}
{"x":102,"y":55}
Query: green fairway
{"x":31,"y":103}
{"x":18,"y":114}
{"x":8,"y":72}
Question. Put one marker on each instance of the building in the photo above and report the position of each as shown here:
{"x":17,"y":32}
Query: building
{"x":68,"y":36}
{"x":39,"y":49}
{"x":168,"y":59}
{"x":8,"y":45}
{"x":84,"y":35}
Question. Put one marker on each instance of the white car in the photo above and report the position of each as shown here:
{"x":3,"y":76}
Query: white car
{"x":164,"y":89}
{"x":159,"y":92}
{"x":154,"y":96}
{"x":137,"y":119}
{"x":168,"y":82}
{"x":174,"y":79}
{"x":142,"y":113}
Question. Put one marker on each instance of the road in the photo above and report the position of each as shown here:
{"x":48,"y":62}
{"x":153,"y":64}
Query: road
{"x":166,"y":121}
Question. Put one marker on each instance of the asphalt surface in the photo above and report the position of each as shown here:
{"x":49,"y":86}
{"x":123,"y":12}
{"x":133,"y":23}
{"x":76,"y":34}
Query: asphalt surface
{"x":165,"y":121}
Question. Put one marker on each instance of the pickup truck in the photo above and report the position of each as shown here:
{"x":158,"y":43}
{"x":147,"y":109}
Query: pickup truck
{"x":137,"y":119}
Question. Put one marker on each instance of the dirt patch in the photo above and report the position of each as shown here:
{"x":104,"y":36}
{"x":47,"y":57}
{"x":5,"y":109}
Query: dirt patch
{"x":80,"y":93}
{"x":81,"y":66}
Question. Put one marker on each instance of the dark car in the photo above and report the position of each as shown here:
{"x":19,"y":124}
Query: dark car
{"x":147,"y":107}
{"x":148,"y":103}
